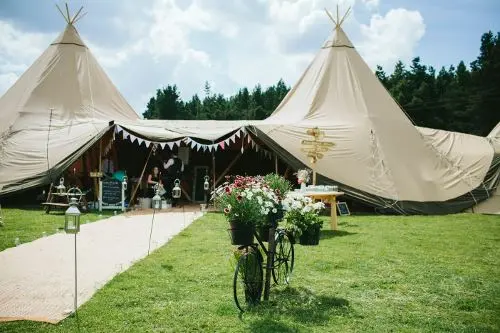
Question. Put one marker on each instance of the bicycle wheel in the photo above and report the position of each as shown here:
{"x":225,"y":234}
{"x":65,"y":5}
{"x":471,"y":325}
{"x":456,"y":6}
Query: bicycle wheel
{"x":248,"y":279}
{"x":283,"y":258}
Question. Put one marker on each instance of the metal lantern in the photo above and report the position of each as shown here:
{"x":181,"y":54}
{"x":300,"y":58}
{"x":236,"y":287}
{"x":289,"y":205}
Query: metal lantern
{"x":176,"y":191}
{"x":61,"y":188}
{"x":124,"y":182}
{"x":72,"y":218}
{"x":206,"y":184}
{"x":156,"y":199}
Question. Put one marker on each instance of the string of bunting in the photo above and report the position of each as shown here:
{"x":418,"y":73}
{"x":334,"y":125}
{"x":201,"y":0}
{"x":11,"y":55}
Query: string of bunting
{"x":193,"y":144}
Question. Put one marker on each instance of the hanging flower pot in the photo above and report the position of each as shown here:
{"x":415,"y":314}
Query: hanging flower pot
{"x":241,"y":234}
{"x":263,"y":233}
{"x":310,"y":237}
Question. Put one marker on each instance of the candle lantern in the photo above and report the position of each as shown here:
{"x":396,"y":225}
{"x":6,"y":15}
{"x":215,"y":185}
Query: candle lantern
{"x":61,"y":188}
{"x":176,"y":191}
{"x":206,"y":184}
{"x":72,"y":218}
{"x":156,"y":199}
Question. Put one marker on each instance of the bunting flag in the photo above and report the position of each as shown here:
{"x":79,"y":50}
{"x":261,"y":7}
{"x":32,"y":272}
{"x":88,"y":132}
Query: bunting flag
{"x":237,"y":134}
{"x":162,"y":145}
{"x":221,"y":144}
{"x":140,"y":141}
{"x":170,"y":145}
{"x":226,"y":142}
{"x":233,"y":138}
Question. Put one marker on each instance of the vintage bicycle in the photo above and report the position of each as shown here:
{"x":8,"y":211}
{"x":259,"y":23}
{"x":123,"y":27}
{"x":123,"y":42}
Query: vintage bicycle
{"x":248,"y":281}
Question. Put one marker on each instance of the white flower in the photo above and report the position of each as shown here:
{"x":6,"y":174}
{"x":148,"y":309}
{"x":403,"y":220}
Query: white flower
{"x":275,"y":210}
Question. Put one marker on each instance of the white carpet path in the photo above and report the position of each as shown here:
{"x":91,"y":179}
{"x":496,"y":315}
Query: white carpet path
{"x":37,"y":278}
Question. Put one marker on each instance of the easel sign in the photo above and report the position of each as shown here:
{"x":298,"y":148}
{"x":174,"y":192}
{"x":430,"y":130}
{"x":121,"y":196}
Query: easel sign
{"x":112,"y":194}
{"x":343,"y":209}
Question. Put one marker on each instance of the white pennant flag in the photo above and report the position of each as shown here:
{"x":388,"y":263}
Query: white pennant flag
{"x":140,"y":141}
{"x":210,"y":148}
{"x":226,"y":142}
{"x":162,"y":145}
{"x":187,"y":140}
{"x":170,"y":145}
{"x":237,"y":134}
{"x":199,"y":146}
{"x":148,"y":143}
{"x":132,"y":138}
{"x":193,"y":144}
{"x":215,"y":147}
{"x":125,"y":135}
{"x":118,"y":129}
{"x":233,"y":138}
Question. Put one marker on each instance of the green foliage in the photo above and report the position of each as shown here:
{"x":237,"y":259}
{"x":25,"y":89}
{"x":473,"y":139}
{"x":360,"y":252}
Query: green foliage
{"x":455,"y":99}
{"x":279,"y":184}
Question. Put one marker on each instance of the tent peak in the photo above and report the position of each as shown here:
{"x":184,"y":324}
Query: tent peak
{"x":338,"y":21}
{"x":67,"y":17}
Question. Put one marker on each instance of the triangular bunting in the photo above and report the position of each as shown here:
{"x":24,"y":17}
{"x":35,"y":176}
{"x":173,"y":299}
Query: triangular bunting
{"x":233,"y":138}
{"x":226,"y":142}
{"x":215,"y":147}
{"x":237,"y":134}
{"x":148,"y":143}
{"x":221,"y":144}
{"x":170,"y":145}
{"x":140,"y":141}
{"x":132,"y":138}
{"x":162,"y":145}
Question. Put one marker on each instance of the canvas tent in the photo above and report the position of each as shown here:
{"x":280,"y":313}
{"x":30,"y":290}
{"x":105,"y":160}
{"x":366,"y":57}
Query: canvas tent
{"x":380,"y":157}
{"x":55,"y":111}
{"x":492,"y":204}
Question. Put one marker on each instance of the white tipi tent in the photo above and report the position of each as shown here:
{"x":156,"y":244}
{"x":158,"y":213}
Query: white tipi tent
{"x":57,"y":109}
{"x":380,"y":157}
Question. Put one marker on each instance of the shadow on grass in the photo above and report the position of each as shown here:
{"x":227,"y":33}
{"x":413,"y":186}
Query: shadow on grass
{"x":324,"y":234}
{"x":302,"y":304}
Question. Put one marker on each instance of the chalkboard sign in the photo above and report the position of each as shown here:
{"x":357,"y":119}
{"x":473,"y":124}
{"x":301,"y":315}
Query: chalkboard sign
{"x":111,"y":192}
{"x":343,"y":209}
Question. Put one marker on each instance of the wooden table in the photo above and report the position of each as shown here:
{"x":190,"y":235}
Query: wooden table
{"x":329,"y":197}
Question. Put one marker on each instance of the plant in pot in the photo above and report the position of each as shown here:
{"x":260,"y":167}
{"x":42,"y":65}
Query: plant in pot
{"x":280,"y":187}
{"x":301,"y":218}
{"x":246,"y":204}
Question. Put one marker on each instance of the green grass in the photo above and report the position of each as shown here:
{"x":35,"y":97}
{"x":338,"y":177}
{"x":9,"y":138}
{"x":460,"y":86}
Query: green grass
{"x":378,"y":274}
{"x":30,"y":224}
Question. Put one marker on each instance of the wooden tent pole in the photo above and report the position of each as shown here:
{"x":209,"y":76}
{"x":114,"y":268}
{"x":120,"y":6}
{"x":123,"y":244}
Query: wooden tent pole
{"x":228,"y":168}
{"x":132,"y":197}
{"x":213,"y":167}
{"x":275,"y":163}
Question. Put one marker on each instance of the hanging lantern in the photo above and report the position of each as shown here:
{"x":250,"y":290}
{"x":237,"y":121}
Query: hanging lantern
{"x":176,"y":191}
{"x":61,"y":188}
{"x":124,"y":182}
{"x":156,"y":199}
{"x":206,"y":184}
{"x":72,"y":218}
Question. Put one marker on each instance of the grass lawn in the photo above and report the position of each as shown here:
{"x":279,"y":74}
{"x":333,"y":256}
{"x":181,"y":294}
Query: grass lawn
{"x":378,"y":274}
{"x":30,"y":224}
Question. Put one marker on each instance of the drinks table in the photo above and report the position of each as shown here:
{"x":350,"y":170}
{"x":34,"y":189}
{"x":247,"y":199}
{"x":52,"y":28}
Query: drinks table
{"x":328,"y":197}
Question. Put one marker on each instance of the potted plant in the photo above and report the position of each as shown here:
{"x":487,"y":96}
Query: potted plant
{"x":246,"y":203}
{"x":280,"y":186}
{"x":301,"y":219}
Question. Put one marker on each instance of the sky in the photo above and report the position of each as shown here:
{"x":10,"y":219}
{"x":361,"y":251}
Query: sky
{"x":146,"y":45}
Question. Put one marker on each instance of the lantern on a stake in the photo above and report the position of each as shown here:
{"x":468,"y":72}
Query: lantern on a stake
{"x":176,"y":191}
{"x":206,"y":184}
{"x":156,"y":198}
{"x":72,"y":218}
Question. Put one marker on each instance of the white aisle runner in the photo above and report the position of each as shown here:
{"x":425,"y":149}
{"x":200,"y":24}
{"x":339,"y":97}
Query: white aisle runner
{"x":37,"y":278}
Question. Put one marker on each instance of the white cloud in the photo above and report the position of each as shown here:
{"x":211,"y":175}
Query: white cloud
{"x":391,"y":37}
{"x":371,"y":4}
{"x":231,"y":45}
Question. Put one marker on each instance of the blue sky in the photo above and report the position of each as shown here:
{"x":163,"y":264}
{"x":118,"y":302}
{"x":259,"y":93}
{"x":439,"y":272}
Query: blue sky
{"x":145,"y":45}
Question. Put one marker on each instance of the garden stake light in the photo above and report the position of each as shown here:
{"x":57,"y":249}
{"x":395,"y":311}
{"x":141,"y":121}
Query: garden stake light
{"x":72,"y":226}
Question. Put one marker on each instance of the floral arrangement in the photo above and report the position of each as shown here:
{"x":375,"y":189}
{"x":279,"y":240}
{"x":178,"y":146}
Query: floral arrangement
{"x":301,"y":213}
{"x":246,"y":200}
{"x":303,"y":176}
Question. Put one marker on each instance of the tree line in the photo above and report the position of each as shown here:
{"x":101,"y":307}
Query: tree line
{"x":458,"y":98}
